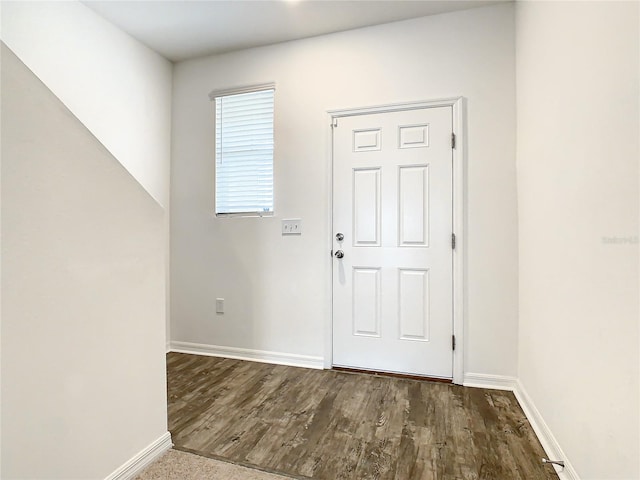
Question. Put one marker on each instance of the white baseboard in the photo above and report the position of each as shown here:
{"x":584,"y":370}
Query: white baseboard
{"x":549,"y":443}
{"x":496,"y":382}
{"x":547,"y":440}
{"x":263,"y":356}
{"x":143,"y":458}
{"x":542,"y":431}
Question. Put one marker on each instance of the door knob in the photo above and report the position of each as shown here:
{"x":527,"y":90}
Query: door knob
{"x":339,"y":237}
{"x":339,"y":254}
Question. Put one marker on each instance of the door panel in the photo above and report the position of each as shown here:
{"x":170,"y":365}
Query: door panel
{"x":413,"y":203}
{"x":366,"y":302}
{"x":366,"y":206}
{"x":392,"y":289}
{"x":413,"y":303}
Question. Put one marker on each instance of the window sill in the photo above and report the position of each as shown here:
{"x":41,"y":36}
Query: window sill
{"x":244,"y":215}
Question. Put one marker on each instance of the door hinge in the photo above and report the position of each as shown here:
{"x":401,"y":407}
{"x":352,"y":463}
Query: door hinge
{"x":453,"y":140}
{"x":453,"y":342}
{"x":453,"y":241}
{"x":334,"y":123}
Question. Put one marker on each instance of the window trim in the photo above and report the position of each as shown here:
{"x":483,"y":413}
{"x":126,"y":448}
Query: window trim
{"x":237,"y":91}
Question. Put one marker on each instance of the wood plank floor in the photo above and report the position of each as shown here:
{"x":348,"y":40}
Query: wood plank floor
{"x":332,"y":425}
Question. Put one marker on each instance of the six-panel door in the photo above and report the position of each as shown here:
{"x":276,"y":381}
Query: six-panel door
{"x":392,"y":289}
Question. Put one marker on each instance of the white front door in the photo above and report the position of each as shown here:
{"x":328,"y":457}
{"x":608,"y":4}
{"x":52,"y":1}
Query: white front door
{"x":392,"y":271}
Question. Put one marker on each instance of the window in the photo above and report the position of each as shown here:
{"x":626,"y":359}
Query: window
{"x":244,"y":151}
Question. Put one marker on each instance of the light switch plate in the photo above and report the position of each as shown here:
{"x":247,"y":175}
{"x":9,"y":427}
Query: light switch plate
{"x":291,"y":226}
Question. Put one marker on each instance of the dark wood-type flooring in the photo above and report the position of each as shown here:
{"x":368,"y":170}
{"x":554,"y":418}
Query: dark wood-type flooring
{"x":333,"y":425}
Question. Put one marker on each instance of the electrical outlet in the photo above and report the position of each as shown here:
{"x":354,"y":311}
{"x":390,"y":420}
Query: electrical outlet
{"x":292,"y":226}
{"x":219,"y":305}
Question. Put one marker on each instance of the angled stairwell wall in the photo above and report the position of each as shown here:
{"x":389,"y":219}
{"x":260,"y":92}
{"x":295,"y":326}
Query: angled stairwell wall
{"x":85,"y":175}
{"x":84,"y":244}
{"x":83,"y":378}
{"x":118,"y":88}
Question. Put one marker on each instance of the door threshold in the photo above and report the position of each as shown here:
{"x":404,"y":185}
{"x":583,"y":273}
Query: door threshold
{"x":392,"y":374}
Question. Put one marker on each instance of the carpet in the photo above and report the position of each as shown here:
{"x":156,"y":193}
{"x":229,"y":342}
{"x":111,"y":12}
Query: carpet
{"x":176,"y":465}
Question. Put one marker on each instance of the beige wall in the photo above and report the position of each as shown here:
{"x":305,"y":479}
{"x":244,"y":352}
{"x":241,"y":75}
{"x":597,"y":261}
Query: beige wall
{"x":578,"y":151}
{"x":276,"y":289}
{"x":119,"y":88}
{"x":82,"y":354}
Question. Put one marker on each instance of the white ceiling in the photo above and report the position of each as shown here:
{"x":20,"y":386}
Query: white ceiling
{"x":180,"y":30}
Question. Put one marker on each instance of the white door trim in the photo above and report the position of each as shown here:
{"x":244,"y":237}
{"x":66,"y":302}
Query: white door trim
{"x":458,"y":105}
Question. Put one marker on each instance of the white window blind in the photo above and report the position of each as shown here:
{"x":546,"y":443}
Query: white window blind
{"x":244,"y":152}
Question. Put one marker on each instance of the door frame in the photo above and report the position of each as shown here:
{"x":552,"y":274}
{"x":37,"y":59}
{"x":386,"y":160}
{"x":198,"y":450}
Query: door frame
{"x":458,"y":105}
